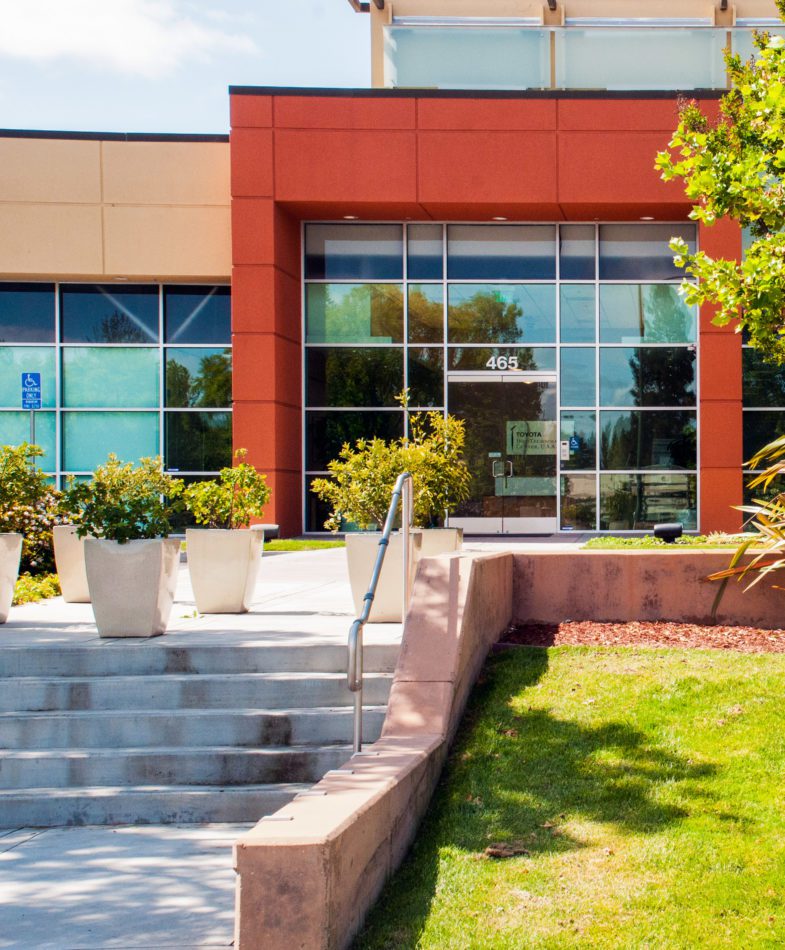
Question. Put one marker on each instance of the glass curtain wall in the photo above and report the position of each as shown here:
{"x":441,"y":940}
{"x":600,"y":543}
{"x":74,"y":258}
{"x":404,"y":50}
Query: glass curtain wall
{"x":388,"y":306}
{"x":138,"y":370}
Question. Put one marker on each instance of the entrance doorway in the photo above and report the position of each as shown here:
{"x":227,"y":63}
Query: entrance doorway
{"x":511,"y":444}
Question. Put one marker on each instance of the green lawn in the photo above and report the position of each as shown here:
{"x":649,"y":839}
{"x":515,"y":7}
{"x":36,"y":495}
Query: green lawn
{"x":646,"y":788}
{"x":309,"y":544}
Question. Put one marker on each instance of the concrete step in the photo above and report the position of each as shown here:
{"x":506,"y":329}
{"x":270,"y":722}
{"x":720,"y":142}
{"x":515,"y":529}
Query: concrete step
{"x":211,"y":765}
{"x":117,"y":658}
{"x":186,"y":691}
{"x":185,"y":727}
{"x":141,"y":805}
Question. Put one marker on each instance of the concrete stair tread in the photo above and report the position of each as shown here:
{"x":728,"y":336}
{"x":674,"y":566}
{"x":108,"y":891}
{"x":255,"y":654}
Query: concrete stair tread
{"x":213,"y":712}
{"x":276,"y":675}
{"x":90,"y":752}
{"x":107,"y":791}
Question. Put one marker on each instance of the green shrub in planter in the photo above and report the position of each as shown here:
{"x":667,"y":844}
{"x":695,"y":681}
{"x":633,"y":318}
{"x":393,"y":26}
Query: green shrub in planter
{"x":28,"y":506}
{"x":125,"y":502}
{"x":232,"y":500}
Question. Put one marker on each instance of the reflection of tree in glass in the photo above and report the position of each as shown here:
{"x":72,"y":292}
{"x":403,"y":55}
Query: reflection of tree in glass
{"x":426,"y":317}
{"x":663,"y":377}
{"x":663,"y":315}
{"x":210,"y":388}
{"x":119,"y":328}
{"x":486,"y":317}
{"x":366,"y":312}
{"x":198,"y":441}
{"x":634,"y":438}
{"x":352,"y":377}
{"x":426,"y":377}
{"x":764,"y":384}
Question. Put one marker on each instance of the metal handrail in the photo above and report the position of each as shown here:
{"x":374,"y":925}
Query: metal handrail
{"x":403,"y":490}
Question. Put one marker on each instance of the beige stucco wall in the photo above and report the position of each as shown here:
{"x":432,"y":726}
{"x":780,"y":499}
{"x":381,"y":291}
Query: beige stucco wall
{"x":98,"y":209}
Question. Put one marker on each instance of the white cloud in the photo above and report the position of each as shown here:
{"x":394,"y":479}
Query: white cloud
{"x":150,"y":38}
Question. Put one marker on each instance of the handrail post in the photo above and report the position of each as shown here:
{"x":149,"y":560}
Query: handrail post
{"x":402,"y":492}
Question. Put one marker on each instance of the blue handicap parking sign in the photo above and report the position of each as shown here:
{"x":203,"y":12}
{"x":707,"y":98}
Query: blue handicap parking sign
{"x":575,"y":443}
{"x":31,"y":390}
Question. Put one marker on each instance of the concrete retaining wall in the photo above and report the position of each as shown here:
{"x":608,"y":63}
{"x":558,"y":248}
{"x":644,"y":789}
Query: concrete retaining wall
{"x":552,"y":586}
{"x":308,"y":878}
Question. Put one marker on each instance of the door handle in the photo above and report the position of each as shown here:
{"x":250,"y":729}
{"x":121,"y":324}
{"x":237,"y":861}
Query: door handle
{"x":496,"y":473}
{"x":509,"y":474}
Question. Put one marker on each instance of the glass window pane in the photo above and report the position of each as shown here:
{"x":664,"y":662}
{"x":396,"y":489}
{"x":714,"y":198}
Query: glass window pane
{"x":455,"y":58}
{"x":346,"y":376}
{"x":27,"y":313}
{"x":640,"y":59}
{"x":426,"y":313}
{"x":197,"y":315}
{"x":424,"y":248}
{"x":98,"y":376}
{"x":88,"y":437}
{"x":501,"y":252}
{"x":198,"y":441}
{"x":108,"y":314}
{"x":501,"y":313}
{"x":640,"y":251}
{"x":743,"y":44}
{"x":577,"y":314}
{"x":16,"y":360}
{"x":578,"y":502}
{"x":354,"y":313}
{"x":638,"y":502}
{"x":580,"y":430}
{"x":760,"y":428}
{"x":647,"y":439}
{"x":487,"y":359}
{"x":578,"y":373}
{"x":354,"y":251}
{"x":763,"y":383}
{"x":15,"y":429}
{"x":326,"y":432}
{"x":426,"y":376}
{"x":316,"y":511}
{"x":647,"y":376}
{"x":645,"y":313}
{"x":198,"y":377}
{"x":576,"y":252}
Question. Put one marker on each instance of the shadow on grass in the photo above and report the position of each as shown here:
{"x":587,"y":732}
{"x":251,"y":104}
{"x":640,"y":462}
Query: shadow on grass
{"x":514,"y":777}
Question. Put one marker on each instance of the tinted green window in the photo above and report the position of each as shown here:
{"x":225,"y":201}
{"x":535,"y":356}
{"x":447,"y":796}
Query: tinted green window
{"x":197,"y":315}
{"x":15,"y":360}
{"x":503,"y":358}
{"x":27,"y":313}
{"x":326,"y":432}
{"x":501,"y":313}
{"x":579,"y":429}
{"x":198,"y":377}
{"x":88,"y":437}
{"x":501,"y":252}
{"x":578,"y":502}
{"x":577,"y":248}
{"x":640,"y":251}
{"x":425,"y":252}
{"x":638,"y":502}
{"x":426,"y":313}
{"x":354,"y":313}
{"x":198,"y":441}
{"x":354,"y":251}
{"x":15,"y":429}
{"x":426,"y":376}
{"x":577,"y":313}
{"x":99,"y":376}
{"x":647,"y":439}
{"x":316,"y":511}
{"x":577,"y":376}
{"x":645,"y":313}
{"x":647,"y":376}
{"x":760,"y":428}
{"x":764,"y":383}
{"x":107,"y":314}
{"x":346,"y":376}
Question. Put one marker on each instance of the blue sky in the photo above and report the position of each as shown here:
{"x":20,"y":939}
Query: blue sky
{"x":164,"y":65}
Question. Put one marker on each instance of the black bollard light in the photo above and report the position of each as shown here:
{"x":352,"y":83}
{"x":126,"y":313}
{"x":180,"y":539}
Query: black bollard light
{"x":668,"y":532}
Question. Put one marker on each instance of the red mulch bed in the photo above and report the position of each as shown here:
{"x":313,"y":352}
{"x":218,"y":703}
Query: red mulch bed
{"x":649,"y":634}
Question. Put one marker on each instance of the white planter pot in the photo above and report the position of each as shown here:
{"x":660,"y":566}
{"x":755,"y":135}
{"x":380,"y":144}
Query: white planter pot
{"x":132,"y":585}
{"x":69,"y":558}
{"x":223,"y":566}
{"x":10,"y":553}
{"x":440,"y":541}
{"x":361,"y":551}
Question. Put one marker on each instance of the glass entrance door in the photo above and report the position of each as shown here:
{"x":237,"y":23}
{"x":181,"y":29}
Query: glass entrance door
{"x":511,"y":446}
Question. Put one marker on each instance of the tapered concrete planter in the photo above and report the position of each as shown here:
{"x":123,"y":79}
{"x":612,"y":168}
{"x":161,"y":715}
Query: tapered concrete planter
{"x":361,"y":550}
{"x":69,"y":558}
{"x":132,"y":585}
{"x":10,"y":553}
{"x":440,"y":541}
{"x":223,"y":566}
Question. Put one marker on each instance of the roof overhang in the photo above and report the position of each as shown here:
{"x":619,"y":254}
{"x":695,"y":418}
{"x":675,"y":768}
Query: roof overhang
{"x":363,"y":6}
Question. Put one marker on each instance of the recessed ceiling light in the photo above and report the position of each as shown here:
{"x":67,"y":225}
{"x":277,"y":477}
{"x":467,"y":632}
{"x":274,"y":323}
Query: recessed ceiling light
{"x":350,"y":217}
{"x":500,"y":218}
{"x":647,"y":218}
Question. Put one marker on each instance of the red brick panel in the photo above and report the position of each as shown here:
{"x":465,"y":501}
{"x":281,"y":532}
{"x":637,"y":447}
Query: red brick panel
{"x":495,"y":114}
{"x":252,"y":162}
{"x":344,"y":112}
{"x":250,"y":111}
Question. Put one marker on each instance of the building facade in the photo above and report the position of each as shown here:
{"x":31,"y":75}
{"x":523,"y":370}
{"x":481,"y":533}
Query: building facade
{"x":483,"y":227}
